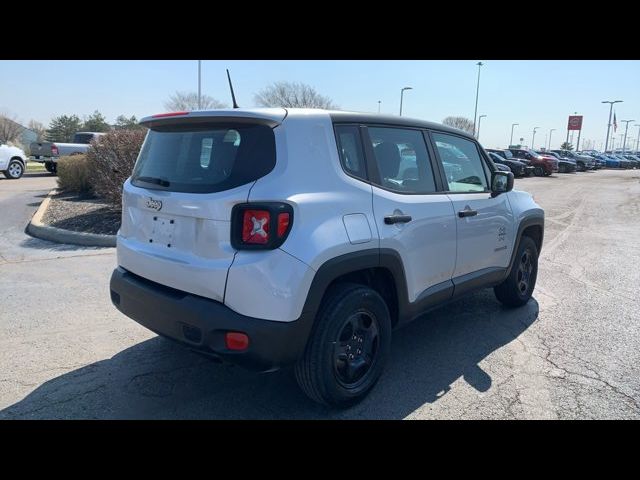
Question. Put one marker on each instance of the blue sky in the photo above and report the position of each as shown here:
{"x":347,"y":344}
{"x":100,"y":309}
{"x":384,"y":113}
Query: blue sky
{"x":531,"y":93}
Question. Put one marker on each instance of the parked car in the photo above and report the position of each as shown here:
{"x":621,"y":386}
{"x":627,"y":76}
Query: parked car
{"x":564,"y":166}
{"x":13,"y":161}
{"x":583,"y":162}
{"x":49,"y":152}
{"x":634,"y":159}
{"x":563,"y":159}
{"x":623,"y":162}
{"x":274,"y":237}
{"x":542,"y":165}
{"x":517,"y":168}
{"x":597,"y":164}
{"x":609,"y":162}
{"x":507,"y":155}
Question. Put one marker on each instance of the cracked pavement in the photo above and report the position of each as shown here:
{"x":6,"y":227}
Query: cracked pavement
{"x":572,"y":352}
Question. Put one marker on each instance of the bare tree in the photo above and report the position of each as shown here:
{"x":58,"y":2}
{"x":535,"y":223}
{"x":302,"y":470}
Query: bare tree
{"x":461,"y":123}
{"x":188,"y":101}
{"x":39,"y":128}
{"x":292,"y":95}
{"x":10,"y":129}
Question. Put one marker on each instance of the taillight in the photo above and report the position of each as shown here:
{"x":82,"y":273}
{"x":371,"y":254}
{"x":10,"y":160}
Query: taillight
{"x":54,"y":149}
{"x":169,"y":114}
{"x":264,"y":225}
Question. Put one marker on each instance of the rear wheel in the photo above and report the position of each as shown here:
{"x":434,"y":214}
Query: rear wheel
{"x":348,"y":347}
{"x":14,"y":170}
{"x":518,"y":287}
{"x":51,"y":167}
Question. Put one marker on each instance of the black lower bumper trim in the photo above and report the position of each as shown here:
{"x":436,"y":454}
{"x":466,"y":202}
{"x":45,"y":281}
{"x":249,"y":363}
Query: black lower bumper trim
{"x":201,"y":323}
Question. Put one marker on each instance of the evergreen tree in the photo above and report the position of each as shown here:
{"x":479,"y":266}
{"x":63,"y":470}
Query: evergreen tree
{"x":62,"y":128}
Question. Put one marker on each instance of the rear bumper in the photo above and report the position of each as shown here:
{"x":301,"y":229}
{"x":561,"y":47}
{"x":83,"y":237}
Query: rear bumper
{"x":201,"y":323}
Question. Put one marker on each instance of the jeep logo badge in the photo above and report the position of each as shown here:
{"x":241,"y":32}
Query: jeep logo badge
{"x":154,"y":204}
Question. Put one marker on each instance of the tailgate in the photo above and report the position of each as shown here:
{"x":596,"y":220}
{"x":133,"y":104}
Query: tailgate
{"x":40,"y":149}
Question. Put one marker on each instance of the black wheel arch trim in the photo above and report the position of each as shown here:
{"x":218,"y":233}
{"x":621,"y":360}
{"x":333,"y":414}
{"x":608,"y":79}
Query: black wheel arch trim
{"x":524,"y":224}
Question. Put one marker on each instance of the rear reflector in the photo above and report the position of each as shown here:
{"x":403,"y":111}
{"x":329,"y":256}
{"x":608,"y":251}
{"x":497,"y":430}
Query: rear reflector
{"x":283,"y":223}
{"x":236,"y":341}
{"x":169,"y":114}
{"x":54,"y":149}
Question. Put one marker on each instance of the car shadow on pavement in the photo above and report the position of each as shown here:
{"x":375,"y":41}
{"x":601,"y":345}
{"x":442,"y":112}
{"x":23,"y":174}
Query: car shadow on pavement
{"x":158,"y":379}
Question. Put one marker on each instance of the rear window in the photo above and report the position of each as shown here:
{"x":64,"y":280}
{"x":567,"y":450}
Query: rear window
{"x":204,"y":158}
{"x":82,"y":138}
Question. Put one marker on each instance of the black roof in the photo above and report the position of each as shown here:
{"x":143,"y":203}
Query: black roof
{"x":392,"y":120}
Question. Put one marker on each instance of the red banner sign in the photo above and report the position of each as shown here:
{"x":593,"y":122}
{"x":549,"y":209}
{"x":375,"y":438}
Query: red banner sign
{"x":575,"y":122}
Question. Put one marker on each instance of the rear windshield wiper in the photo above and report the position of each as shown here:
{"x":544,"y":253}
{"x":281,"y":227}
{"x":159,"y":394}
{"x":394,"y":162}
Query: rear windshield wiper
{"x":157,"y":181}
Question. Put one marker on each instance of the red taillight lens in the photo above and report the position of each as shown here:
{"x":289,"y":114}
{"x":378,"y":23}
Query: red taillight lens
{"x":255,"y":226}
{"x":283,"y":224}
{"x":260,"y":225}
{"x":236,"y":341}
{"x":54,"y":149}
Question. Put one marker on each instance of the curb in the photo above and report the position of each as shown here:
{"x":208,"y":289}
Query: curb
{"x":41,"y":230}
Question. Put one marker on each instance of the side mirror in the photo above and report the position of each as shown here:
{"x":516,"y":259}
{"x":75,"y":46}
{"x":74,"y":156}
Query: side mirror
{"x":501,"y":182}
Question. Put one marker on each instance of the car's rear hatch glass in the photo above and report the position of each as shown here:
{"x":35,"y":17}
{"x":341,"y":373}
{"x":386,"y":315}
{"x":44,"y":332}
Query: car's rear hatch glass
{"x":204,"y":158}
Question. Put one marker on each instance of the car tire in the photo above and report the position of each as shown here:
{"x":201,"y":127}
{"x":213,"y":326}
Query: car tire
{"x":14,"y":170}
{"x":348,"y":346}
{"x":517,"y":288}
{"x":51,"y":167}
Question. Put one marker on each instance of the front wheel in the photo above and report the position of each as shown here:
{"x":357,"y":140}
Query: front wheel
{"x":348,"y":346}
{"x":14,"y":170}
{"x":518,"y":287}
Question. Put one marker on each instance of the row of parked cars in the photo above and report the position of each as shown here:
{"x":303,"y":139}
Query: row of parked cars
{"x":525,"y":162}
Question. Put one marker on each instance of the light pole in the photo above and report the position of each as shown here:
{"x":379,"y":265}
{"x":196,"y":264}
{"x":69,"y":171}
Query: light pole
{"x":511,"y":139}
{"x":550,"y":132}
{"x":475,"y":113}
{"x":637,"y":139}
{"x":609,"y":124}
{"x":624,"y":143}
{"x":402,"y":95}
{"x":379,"y":102}
{"x":479,"y":121}
{"x":534,"y":137}
{"x":199,"y":87}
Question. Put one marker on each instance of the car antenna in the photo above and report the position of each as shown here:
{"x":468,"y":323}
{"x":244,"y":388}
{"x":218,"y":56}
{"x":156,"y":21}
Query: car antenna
{"x":233,"y":96}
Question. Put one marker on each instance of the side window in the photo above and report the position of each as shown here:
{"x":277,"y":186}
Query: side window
{"x":205,"y":152}
{"x":350,"y":150}
{"x":402,"y":159}
{"x":462,"y":163}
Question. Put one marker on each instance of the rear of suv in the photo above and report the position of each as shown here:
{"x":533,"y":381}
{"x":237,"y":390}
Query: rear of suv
{"x":544,"y":165}
{"x":276,"y":237}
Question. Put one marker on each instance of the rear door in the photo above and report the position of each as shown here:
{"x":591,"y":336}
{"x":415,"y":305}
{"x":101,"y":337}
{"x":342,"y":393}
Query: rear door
{"x":177,"y":203}
{"x":413,"y":216}
{"x":484,"y":223}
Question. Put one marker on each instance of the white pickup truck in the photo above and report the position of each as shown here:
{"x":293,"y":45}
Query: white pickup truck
{"x":49,"y":152}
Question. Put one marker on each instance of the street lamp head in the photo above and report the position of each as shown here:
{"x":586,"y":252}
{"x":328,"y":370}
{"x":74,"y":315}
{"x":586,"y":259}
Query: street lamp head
{"x":479,"y":64}
{"x":482,"y":116}
{"x":407,"y":88}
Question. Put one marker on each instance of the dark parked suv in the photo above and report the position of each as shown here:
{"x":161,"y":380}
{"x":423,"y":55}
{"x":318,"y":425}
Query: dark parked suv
{"x":516,"y":167}
{"x":507,"y":155}
{"x":543,"y":165}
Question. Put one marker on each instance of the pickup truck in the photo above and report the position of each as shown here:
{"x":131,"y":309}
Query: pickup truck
{"x":49,"y":152}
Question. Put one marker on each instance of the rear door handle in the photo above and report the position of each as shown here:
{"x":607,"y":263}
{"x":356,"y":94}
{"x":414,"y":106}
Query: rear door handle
{"x":391,"y":219}
{"x":467,"y":213}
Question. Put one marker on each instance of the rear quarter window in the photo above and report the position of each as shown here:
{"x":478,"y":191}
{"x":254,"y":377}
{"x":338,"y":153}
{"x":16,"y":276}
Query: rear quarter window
{"x":204,"y":158}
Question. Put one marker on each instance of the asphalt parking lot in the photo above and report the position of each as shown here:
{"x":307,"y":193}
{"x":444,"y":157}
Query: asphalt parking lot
{"x":572,"y":352}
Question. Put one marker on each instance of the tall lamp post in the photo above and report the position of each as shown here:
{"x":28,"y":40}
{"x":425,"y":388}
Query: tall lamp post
{"x":511,"y":139}
{"x":379,"y":102}
{"x":479,"y":121}
{"x":534,"y":137}
{"x":637,"y":139}
{"x":609,"y":124}
{"x":199,"y":87}
{"x":550,"y":132}
{"x":624,"y":143}
{"x":475,"y":113}
{"x":402,"y":95}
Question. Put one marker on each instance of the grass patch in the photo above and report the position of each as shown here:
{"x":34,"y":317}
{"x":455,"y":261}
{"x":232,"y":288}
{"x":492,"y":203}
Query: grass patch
{"x":35,"y":167}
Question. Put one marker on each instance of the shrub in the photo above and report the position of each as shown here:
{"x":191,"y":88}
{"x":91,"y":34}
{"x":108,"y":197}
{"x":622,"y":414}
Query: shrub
{"x":73,"y":174}
{"x":111,"y":162}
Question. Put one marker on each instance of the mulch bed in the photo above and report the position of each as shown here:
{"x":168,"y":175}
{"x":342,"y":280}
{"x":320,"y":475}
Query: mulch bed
{"x":82,"y":214}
